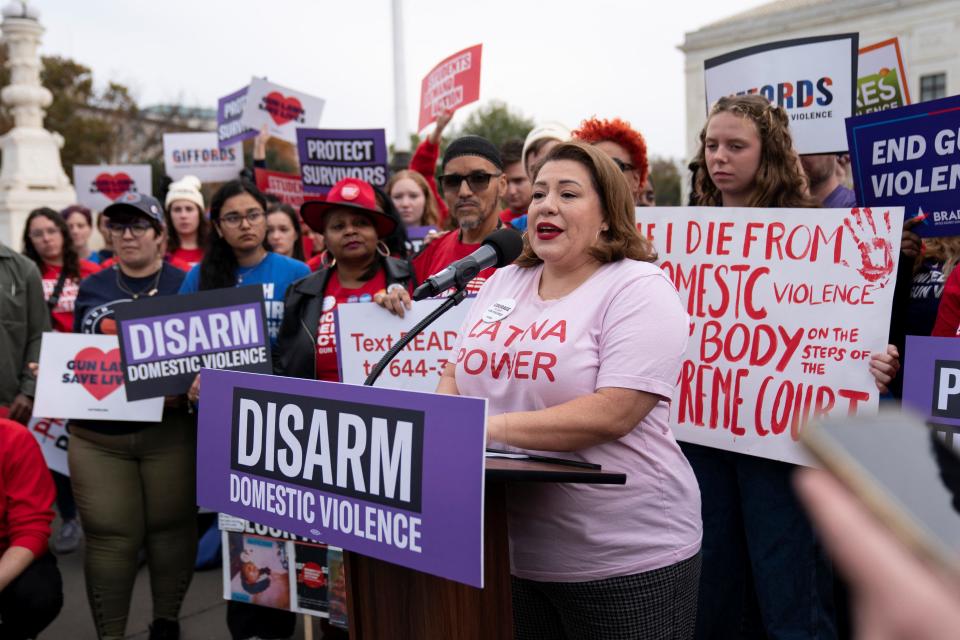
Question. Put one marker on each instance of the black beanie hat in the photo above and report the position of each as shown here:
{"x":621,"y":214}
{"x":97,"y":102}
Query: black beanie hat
{"x":473,"y":146}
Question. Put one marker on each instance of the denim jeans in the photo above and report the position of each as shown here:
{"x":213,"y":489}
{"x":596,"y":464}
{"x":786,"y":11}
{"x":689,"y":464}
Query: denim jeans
{"x":753,"y":525}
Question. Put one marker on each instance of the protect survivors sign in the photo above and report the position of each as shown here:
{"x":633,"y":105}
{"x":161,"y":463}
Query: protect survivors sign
{"x":327,"y":156}
{"x":786,"y":306}
{"x":389,"y":474}
{"x":813,"y":79}
{"x":165,"y":342}
{"x":910,"y":157}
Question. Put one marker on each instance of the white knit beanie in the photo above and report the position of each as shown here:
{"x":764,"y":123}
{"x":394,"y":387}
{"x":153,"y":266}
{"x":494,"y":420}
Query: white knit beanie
{"x":186,"y":188}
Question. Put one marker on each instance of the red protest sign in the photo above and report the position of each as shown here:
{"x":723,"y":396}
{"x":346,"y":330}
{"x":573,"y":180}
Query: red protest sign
{"x":286,"y":186}
{"x":451,"y":84}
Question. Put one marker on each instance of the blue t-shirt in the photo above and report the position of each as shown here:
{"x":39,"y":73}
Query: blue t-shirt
{"x":275,"y":272}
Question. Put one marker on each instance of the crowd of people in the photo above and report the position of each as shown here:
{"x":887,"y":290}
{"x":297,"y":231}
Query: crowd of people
{"x":701,"y":543}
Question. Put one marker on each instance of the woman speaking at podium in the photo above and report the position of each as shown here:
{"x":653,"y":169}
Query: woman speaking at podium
{"x":577,"y":348}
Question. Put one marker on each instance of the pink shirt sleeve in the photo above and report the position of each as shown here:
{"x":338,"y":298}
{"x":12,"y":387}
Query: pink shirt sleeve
{"x":643,"y":337}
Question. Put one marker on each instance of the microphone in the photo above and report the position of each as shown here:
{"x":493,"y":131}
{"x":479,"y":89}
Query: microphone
{"x":498,"y":249}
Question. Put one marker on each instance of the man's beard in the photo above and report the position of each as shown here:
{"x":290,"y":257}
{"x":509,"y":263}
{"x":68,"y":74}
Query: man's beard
{"x":469,"y":223}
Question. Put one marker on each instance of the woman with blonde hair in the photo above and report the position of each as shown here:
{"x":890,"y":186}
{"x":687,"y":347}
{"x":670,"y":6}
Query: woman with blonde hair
{"x":413,"y":199}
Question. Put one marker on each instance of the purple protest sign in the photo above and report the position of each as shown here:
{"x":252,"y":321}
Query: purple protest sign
{"x":908,"y":157}
{"x":165,"y":342}
{"x":415,"y":236}
{"x":394,"y":475}
{"x":931,"y":378}
{"x":229,"y":112}
{"x":330,"y":155}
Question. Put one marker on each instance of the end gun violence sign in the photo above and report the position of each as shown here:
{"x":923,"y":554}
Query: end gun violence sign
{"x":164,"y":342}
{"x":393,"y":475}
{"x":786,"y":306}
{"x":910,"y":157}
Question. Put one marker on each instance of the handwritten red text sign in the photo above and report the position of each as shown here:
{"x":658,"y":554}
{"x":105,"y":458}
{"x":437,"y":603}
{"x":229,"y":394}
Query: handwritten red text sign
{"x":786,"y":306}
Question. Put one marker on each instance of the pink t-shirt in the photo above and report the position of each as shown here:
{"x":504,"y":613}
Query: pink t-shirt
{"x":624,"y":327}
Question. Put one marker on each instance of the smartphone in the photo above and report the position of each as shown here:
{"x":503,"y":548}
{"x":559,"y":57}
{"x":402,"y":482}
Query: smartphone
{"x":904,"y":473}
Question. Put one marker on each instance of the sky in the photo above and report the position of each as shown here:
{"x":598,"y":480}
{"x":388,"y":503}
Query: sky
{"x":564,"y":60}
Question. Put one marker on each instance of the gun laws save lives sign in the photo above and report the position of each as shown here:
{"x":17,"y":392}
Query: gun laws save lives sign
{"x":813,"y":79}
{"x":393,"y":475}
{"x":81,"y":378}
{"x":786,"y":306}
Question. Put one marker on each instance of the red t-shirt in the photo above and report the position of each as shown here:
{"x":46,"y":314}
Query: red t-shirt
{"x":189,"y":257}
{"x":26,"y":491}
{"x":509,"y":215}
{"x":315,"y":262}
{"x":62,"y":315}
{"x":441,"y":252}
{"x":335,"y":293}
{"x":948,"y":313}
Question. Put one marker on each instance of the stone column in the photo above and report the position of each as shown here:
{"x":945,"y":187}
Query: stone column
{"x":31,"y":175}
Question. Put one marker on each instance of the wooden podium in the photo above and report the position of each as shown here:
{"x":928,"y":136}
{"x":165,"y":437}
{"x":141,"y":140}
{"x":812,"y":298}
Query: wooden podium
{"x":387,"y":601}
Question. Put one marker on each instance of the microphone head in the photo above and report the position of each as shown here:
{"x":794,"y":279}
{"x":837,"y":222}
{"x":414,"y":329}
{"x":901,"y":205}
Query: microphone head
{"x":508,"y":244}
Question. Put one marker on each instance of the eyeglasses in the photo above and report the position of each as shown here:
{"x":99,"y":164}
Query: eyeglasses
{"x":624,"y":166}
{"x":477,"y":181}
{"x":40,"y":233}
{"x":235,"y":219}
{"x":137,"y":229}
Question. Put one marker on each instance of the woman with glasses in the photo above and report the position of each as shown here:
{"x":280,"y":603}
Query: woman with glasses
{"x":237,"y":255}
{"x":625,"y":146}
{"x":134,"y":481}
{"x":47,"y":241}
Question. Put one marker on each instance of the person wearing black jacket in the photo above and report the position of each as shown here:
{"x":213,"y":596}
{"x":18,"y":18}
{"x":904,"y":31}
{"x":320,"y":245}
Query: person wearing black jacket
{"x":357,"y":266}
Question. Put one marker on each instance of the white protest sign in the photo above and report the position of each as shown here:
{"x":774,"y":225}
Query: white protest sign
{"x":365,"y":332}
{"x":814,"y":79}
{"x":80,"y":377}
{"x":282,"y":109}
{"x":100,"y":185}
{"x":52,"y":436}
{"x":786,"y":306}
{"x":200,"y":155}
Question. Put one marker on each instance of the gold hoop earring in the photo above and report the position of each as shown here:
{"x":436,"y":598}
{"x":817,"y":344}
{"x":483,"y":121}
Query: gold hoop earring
{"x":327,"y":264}
{"x":383,"y":249}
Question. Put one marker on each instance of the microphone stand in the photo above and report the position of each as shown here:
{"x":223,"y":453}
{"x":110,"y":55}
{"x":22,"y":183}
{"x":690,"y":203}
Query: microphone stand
{"x":417,"y":329}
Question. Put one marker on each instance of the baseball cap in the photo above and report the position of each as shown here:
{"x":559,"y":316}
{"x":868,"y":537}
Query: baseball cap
{"x":350,"y":193}
{"x":138,"y":203}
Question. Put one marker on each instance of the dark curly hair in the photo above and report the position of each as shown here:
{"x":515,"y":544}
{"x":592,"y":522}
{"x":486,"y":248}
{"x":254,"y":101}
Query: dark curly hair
{"x":218,"y":269}
{"x":780,"y":180}
{"x":71,"y":261}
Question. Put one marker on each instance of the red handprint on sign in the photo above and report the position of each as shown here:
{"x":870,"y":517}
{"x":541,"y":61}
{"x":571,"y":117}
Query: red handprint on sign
{"x":876,"y":251}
